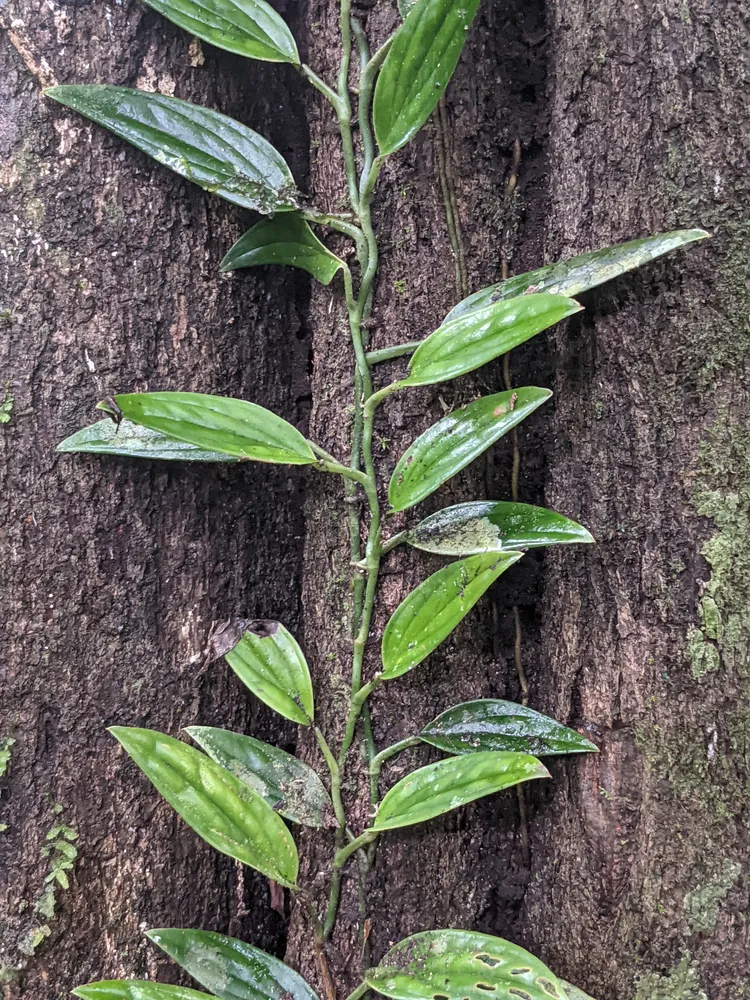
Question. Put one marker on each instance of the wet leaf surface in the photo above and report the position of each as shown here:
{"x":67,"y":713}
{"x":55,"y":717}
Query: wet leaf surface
{"x":136,"y":989}
{"x":284,"y":239}
{"x":132,"y":441}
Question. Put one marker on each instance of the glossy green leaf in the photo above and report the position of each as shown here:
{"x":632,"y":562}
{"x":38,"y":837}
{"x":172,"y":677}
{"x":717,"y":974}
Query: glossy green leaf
{"x":284,"y":239}
{"x":466,"y":343}
{"x":430,"y":612}
{"x":269,"y":661}
{"x":220,"y":809}
{"x":438,"y":788}
{"x":492,"y":526}
{"x":131,"y":441}
{"x":456,"y":440}
{"x":288,"y":785}
{"x":216,"y":152}
{"x":248,"y":27}
{"x":136,"y":989}
{"x":231,"y":969}
{"x":579,"y":274}
{"x":217,"y":423}
{"x":462,"y":965}
{"x":418,"y":68}
{"x":487,"y":724}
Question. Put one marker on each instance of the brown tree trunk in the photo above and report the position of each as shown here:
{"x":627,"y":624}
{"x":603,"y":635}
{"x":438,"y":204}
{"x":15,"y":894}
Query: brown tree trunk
{"x":112,"y":570}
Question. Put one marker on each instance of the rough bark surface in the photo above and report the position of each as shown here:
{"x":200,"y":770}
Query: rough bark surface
{"x":113,"y":570}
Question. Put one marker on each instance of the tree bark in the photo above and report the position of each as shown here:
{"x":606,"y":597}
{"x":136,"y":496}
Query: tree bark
{"x":113,"y":570}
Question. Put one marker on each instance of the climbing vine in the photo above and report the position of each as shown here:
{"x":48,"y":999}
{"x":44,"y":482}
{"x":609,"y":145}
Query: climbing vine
{"x":239,"y":793}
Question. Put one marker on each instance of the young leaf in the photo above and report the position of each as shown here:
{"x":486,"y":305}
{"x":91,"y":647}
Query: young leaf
{"x":466,"y":343}
{"x":579,"y":274}
{"x":501,"y":725}
{"x":492,"y":526}
{"x":131,"y":441}
{"x":288,"y":785}
{"x":436,"y":789}
{"x":221,"y":810}
{"x":231,"y":969}
{"x":248,"y":27}
{"x":456,"y":440}
{"x":284,"y":239}
{"x":431,"y":611}
{"x":136,"y":989}
{"x":218,"y":423}
{"x":418,"y":68}
{"x":269,"y":661}
{"x":462,"y":965}
{"x":216,"y":152}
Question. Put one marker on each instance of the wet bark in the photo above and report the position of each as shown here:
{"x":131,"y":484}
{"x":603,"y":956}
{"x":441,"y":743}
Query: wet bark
{"x":112,"y":570}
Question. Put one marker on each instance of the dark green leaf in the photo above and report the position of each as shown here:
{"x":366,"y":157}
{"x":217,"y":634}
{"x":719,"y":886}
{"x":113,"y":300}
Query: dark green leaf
{"x":431,"y":612}
{"x":456,"y":440}
{"x":271,"y":664}
{"x":579,"y":274}
{"x":231,"y":969}
{"x":128,"y":439}
{"x":284,"y":239}
{"x":470,"y":341}
{"x":448,"y":784}
{"x":492,"y":526}
{"x":220,"y":809}
{"x":462,"y":965}
{"x":418,"y":68}
{"x":248,"y":27}
{"x":288,"y":785}
{"x":136,"y":989}
{"x":216,"y":152}
{"x":218,"y":423}
{"x":501,"y":725}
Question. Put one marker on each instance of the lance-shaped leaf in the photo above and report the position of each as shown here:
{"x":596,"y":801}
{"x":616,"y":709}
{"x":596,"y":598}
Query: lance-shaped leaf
{"x":216,"y":152}
{"x":136,"y":989}
{"x":268,"y":660}
{"x":462,"y":965}
{"x":448,"y":784}
{"x":248,"y":27}
{"x":284,"y":239}
{"x":579,"y":274}
{"x":418,"y":68}
{"x":492,"y":526}
{"x":231,"y":969}
{"x":430,"y":613}
{"x":456,"y":440}
{"x":221,"y":810}
{"x":131,"y":441}
{"x":288,"y":785}
{"x":470,"y":341}
{"x":476,"y":726}
{"x":217,"y":423}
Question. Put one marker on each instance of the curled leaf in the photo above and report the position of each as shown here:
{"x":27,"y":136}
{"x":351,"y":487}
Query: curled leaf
{"x":284,"y":239}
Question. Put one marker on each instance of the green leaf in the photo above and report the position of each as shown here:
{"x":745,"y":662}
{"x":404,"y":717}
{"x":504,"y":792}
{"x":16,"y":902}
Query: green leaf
{"x":216,"y":152}
{"x":486,"y":724}
{"x":431,"y":611}
{"x":493,"y":526}
{"x":418,"y":68}
{"x":438,"y":788}
{"x":248,"y":27}
{"x":214,"y":803}
{"x":573,"y":993}
{"x":131,"y":441}
{"x":269,"y":661}
{"x":231,"y":969}
{"x":217,"y":423}
{"x":579,"y":274}
{"x":288,"y":785}
{"x":284,"y":239}
{"x":456,"y":440}
{"x":136,"y":989}
{"x":462,"y":965}
{"x":466,"y":343}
